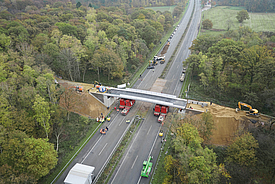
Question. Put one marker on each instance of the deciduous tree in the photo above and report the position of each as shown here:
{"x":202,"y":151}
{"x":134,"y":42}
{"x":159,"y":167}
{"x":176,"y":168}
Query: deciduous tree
{"x":242,"y":15}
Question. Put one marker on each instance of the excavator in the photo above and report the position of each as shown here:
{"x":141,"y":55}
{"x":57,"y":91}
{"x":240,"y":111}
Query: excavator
{"x":253,"y":112}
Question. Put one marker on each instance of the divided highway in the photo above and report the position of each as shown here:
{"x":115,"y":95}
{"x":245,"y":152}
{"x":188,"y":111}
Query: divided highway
{"x":146,"y":141}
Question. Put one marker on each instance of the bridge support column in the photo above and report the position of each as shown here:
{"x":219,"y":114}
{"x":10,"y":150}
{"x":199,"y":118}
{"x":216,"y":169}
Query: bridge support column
{"x":108,"y":100}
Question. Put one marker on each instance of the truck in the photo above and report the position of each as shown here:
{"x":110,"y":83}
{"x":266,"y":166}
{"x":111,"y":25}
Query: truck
{"x":80,"y":174}
{"x":163,"y":112}
{"x":147,"y":167}
{"x":160,"y":59}
{"x":128,"y":105}
{"x":160,"y":111}
{"x":157,"y":110}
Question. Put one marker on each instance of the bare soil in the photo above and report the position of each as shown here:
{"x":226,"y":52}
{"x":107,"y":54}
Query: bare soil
{"x":228,"y":122}
{"x":83,"y":103}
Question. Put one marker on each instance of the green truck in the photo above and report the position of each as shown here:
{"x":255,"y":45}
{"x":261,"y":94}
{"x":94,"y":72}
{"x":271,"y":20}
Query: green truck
{"x":147,"y":167}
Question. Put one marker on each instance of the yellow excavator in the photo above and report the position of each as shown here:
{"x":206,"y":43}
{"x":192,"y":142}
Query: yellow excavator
{"x":253,"y":112}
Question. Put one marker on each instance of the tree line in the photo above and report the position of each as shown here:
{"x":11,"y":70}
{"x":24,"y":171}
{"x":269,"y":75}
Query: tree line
{"x":250,"y":5}
{"x":238,"y":65}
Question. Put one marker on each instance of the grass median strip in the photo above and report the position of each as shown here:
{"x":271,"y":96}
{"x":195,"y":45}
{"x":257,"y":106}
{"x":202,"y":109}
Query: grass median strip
{"x":167,"y":67}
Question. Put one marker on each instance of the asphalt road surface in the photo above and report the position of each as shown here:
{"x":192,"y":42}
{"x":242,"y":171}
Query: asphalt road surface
{"x":146,"y":141}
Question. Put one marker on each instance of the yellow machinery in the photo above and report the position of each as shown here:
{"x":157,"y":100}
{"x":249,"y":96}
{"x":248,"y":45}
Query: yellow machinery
{"x":252,"y":111}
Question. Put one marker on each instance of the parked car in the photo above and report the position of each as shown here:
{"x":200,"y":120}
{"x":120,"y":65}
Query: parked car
{"x":151,"y":67}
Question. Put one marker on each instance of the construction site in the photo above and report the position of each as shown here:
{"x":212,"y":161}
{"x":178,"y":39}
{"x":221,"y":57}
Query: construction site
{"x":227,"y":121}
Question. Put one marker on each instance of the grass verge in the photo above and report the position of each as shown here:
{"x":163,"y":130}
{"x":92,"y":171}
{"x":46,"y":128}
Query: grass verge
{"x":159,"y":171}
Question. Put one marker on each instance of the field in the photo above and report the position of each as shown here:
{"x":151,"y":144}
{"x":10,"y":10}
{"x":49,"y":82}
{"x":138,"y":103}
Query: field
{"x":220,"y":16}
{"x":162,"y":8}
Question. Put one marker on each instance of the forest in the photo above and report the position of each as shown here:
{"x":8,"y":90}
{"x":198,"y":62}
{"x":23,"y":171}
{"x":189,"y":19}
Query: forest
{"x":42,"y":40}
{"x":238,"y":66}
{"x":250,"y":5}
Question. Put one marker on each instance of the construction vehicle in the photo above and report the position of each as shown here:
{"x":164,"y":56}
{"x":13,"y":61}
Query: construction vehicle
{"x":147,"y":167}
{"x":97,"y":83}
{"x":157,"y":110}
{"x":126,"y":105}
{"x":161,"y":111}
{"x":80,"y":174}
{"x":253,"y":112}
{"x":78,"y":88}
{"x":161,"y":59}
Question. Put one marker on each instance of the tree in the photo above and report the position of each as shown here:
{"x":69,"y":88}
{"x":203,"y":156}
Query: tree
{"x":42,"y":113}
{"x":207,"y":24}
{"x":192,"y":163}
{"x":27,"y":156}
{"x":242,"y":16}
{"x":243,"y":150}
{"x":78,"y":4}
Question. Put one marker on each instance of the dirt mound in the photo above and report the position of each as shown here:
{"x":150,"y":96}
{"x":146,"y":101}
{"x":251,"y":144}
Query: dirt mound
{"x":165,"y":48}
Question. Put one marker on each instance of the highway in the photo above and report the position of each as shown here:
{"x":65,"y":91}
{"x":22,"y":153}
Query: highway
{"x":146,"y":141}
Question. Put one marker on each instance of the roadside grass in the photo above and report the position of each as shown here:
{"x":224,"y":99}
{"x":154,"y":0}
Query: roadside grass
{"x":76,"y":132}
{"x":220,"y":15}
{"x":163,"y":8}
{"x":160,"y":172}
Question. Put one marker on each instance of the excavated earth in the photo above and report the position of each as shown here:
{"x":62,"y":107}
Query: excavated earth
{"x":82,"y":103}
{"x":228,"y":122}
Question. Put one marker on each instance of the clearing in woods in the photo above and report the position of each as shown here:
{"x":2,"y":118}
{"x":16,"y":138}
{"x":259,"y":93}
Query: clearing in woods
{"x":222,"y":16}
{"x":162,"y":8}
{"x":228,"y":122}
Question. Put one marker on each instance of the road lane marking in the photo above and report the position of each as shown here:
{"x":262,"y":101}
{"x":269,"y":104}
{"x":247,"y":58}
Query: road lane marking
{"x":122,"y":121}
{"x":102,"y":149}
{"x":149,"y":130}
{"x":134,"y":162}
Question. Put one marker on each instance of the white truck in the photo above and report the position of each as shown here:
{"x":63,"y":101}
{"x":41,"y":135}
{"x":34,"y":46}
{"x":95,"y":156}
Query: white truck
{"x":80,"y":174}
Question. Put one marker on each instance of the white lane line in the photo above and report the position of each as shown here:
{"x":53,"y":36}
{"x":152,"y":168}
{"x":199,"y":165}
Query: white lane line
{"x":97,"y":142}
{"x":91,"y":149}
{"x":149,"y":130}
{"x":122,"y":121}
{"x":102,"y":149}
{"x":134,"y":162}
{"x":127,"y":153}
